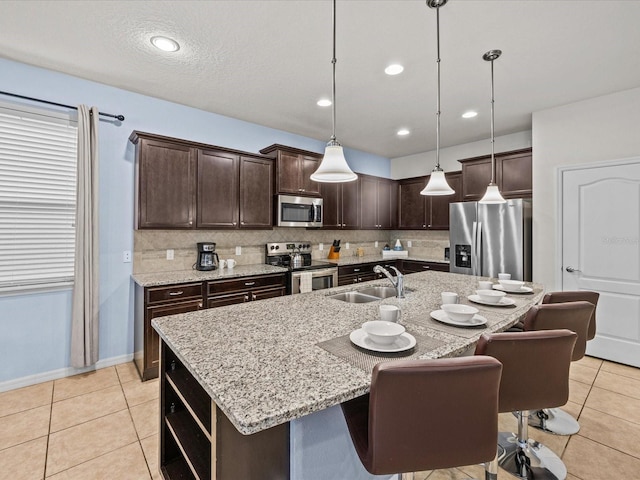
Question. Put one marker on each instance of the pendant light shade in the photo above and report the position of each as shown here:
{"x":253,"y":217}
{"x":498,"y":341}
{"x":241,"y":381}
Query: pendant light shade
{"x":333,"y":167}
{"x":437,"y":184}
{"x":492,"y":195}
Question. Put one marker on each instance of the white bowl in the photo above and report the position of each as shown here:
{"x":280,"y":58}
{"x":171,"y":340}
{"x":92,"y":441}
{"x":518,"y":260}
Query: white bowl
{"x":490,"y":296}
{"x":459,"y":312}
{"x":511,"y":285}
{"x":383,"y":333}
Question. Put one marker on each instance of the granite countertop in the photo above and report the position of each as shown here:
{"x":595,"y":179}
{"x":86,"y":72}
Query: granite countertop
{"x":184,"y":276}
{"x":259,"y":361}
{"x":349,"y":259}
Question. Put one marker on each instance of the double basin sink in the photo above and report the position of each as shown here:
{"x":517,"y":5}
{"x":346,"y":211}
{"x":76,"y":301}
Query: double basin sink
{"x":364,"y":295}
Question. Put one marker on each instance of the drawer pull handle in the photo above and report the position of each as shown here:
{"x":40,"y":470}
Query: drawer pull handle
{"x":426,"y":267}
{"x":356,"y":269}
{"x":249,"y":284}
{"x":173,"y":294}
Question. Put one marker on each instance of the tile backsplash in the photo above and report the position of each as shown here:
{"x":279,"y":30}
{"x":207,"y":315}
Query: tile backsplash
{"x":150,"y":246}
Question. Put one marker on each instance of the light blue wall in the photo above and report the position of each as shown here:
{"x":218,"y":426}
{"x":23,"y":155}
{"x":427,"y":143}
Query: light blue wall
{"x":34,"y":328}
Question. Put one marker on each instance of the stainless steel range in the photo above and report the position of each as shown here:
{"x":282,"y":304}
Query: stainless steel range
{"x":296,"y":256}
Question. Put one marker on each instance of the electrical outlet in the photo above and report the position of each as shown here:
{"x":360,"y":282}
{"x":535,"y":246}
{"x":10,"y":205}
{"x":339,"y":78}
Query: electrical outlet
{"x":321,"y":246}
{"x":126,"y":256}
{"x":376,"y":244}
{"x":238,"y":250}
{"x":170,"y":254}
{"x":346,"y":246}
{"x":409,"y":243}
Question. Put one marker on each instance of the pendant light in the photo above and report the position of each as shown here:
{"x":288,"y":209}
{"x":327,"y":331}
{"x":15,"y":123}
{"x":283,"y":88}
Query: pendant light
{"x":492,"y":195}
{"x":333,"y":168}
{"x":437,"y":184}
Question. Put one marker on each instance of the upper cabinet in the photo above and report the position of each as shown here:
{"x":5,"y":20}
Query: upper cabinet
{"x":513,"y":175}
{"x":378,"y":197}
{"x":293,"y":170}
{"x":423,"y":212}
{"x":341,"y":205}
{"x":185,"y":185}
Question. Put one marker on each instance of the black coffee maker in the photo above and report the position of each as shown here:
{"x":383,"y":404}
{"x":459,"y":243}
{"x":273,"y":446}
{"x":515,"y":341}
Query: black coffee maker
{"x":207,"y":256}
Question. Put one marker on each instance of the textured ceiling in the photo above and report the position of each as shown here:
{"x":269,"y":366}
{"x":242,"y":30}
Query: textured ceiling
{"x":268,"y":61}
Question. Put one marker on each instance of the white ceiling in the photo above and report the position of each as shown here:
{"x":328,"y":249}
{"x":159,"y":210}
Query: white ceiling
{"x":268,"y":61}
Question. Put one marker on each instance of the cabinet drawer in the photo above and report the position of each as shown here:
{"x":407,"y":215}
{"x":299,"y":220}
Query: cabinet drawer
{"x":359,"y":269}
{"x":245,"y":283}
{"x":174,"y":292}
{"x":414,"y":266}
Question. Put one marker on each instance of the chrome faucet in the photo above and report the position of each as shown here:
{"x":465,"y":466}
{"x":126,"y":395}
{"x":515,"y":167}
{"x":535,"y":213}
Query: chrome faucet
{"x":398,"y":282}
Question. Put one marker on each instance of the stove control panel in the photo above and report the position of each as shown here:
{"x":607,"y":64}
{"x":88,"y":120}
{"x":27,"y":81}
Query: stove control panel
{"x":285,"y":248}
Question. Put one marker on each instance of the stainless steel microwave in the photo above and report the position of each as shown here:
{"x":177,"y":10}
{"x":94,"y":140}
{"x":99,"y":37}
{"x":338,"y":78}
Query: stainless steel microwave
{"x":299,"y":211}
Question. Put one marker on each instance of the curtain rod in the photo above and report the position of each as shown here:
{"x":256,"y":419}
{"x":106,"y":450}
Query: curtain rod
{"x":117,"y":117}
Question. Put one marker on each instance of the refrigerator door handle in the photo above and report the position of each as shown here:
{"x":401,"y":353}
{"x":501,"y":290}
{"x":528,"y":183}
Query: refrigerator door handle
{"x":477,"y":252}
{"x":474,"y":239}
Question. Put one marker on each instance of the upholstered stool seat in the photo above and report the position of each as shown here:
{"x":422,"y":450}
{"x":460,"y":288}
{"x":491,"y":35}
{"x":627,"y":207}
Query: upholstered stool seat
{"x":427,"y":414}
{"x":540,"y":381}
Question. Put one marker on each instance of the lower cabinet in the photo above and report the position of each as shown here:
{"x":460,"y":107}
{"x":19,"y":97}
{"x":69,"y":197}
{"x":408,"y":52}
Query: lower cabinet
{"x":197,"y":441}
{"x":361,"y":272}
{"x":154,"y":302}
{"x":415,"y":266}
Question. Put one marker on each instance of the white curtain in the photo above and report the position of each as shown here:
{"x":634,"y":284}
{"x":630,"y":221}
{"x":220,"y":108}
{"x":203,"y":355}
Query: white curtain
{"x":84,"y":320}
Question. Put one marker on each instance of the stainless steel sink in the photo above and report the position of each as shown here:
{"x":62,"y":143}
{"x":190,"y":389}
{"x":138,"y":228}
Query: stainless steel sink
{"x":354,"y":297}
{"x":380,"y":292}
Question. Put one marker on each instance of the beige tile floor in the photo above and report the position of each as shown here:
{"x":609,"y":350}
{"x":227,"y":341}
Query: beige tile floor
{"x":103,"y":425}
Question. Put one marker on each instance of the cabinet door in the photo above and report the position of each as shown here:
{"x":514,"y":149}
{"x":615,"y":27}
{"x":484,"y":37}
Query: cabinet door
{"x":368,"y":203}
{"x":351,"y":205}
{"x":288,"y":180}
{"x":516,"y":172}
{"x":256,"y":193}
{"x":439,"y":205}
{"x":151,"y":337}
{"x":476,"y":176}
{"x":308,"y":166}
{"x":331,"y":205}
{"x":166,"y":185}
{"x":218,"y":184}
{"x":385,"y":204}
{"x":411,"y":205}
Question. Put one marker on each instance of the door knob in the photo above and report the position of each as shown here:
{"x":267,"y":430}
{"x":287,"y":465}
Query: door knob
{"x":572,"y":270}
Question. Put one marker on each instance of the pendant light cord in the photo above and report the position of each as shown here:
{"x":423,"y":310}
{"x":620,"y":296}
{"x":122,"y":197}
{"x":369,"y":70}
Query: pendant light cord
{"x":333,"y":62}
{"x":438,"y":89}
{"x":493,"y":140}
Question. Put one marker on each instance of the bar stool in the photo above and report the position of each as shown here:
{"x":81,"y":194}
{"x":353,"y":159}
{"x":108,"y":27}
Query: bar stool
{"x":541,"y":380}
{"x":427,"y":414}
{"x":577,"y":316}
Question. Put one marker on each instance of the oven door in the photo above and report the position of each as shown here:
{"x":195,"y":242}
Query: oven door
{"x":320,"y":279}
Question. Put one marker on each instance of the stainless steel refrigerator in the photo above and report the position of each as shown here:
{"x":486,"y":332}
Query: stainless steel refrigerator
{"x":489,"y":239}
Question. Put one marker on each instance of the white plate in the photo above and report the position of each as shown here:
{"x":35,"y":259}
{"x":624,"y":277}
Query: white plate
{"x":404,"y":342}
{"x":442,"y":316}
{"x":497,"y":286}
{"x":504,"y":301}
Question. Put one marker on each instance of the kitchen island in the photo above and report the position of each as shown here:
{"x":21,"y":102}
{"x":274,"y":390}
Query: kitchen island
{"x":265,"y":373}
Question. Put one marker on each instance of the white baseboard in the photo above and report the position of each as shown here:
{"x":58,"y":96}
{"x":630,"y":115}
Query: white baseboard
{"x":62,"y":373}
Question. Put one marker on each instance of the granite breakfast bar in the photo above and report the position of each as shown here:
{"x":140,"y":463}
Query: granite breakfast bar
{"x":266,"y":374}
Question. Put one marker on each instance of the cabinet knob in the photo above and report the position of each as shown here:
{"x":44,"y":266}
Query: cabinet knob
{"x":246,"y":298}
{"x":344,"y":224}
{"x":190,"y":222}
{"x":429,"y":226}
{"x":241,"y":223}
{"x":355,"y":280}
{"x":253,"y":296}
{"x":234,"y":223}
{"x":200,"y":305}
{"x":423,"y":225}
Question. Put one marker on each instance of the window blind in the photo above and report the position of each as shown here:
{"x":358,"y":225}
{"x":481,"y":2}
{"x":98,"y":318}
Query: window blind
{"x":37,"y":198}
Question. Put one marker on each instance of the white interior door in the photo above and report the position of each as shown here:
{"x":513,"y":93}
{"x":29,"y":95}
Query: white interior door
{"x":601,"y":252}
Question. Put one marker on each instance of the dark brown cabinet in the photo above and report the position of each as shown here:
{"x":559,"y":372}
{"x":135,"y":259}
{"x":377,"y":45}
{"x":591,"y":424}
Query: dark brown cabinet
{"x":165,"y":184}
{"x":361,"y":272}
{"x":245,"y":289}
{"x":154,"y":302}
{"x":341,"y":205}
{"x":513,"y":175}
{"x":377,"y":202}
{"x":415,"y":266}
{"x":424,"y":212}
{"x":293,"y":170}
{"x":187,"y":185}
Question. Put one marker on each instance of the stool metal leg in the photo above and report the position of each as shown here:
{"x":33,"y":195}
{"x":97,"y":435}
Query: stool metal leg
{"x":554,"y":420}
{"x":491,"y":469}
{"x":527,"y":459}
{"x":407,"y":476}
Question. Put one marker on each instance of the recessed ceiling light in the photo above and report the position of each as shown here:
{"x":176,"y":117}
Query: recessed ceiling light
{"x":469,"y":114}
{"x":165,"y":44}
{"x":324,"y":102}
{"x":403,"y":131}
{"x":394,"y":69}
